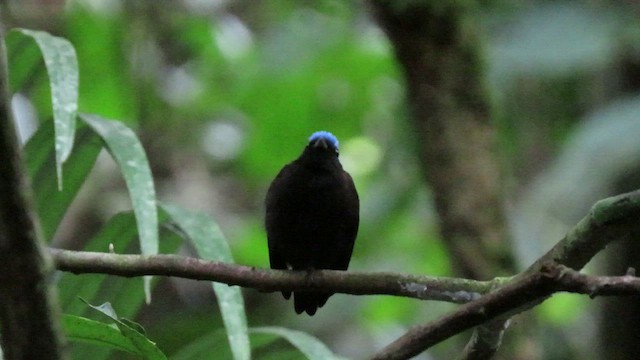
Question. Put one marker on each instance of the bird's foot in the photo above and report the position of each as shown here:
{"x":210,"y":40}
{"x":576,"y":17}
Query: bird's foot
{"x":309,"y":278}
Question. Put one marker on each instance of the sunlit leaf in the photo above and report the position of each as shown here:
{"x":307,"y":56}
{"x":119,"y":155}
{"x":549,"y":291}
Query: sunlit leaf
{"x":563,"y":308}
{"x":128,"y":153}
{"x":62,"y":67}
{"x":105,"y":308}
{"x":211,"y":244}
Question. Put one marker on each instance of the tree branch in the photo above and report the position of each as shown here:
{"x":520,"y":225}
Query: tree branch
{"x":613,"y":218}
{"x":610,"y":219}
{"x":506,"y":302}
{"x":420,"y":287}
{"x":509,"y":297}
{"x":570,"y":280}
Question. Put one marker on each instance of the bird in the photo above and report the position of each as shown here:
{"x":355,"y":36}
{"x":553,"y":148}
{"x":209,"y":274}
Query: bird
{"x":312,"y":216}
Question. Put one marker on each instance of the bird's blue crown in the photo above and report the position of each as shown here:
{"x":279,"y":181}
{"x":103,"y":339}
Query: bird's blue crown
{"x":325,"y":135}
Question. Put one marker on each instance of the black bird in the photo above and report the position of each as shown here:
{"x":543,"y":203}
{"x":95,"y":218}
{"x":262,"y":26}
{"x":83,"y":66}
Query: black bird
{"x":312,"y":216}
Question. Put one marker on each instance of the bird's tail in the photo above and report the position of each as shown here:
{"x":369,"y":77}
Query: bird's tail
{"x":309,"y":302}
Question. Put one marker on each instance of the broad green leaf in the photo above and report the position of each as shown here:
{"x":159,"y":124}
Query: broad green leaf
{"x":62,"y":67}
{"x":120,"y":231}
{"x":134,"y":325}
{"x":124,"y":293}
{"x":40,"y":155}
{"x":211,"y":244}
{"x":128,"y":153}
{"x":81,"y":329}
{"x":307,"y":344}
{"x":146,"y":348}
{"x":25,"y":61}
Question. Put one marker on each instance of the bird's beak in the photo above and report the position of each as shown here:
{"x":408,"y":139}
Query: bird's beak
{"x":321,"y":142}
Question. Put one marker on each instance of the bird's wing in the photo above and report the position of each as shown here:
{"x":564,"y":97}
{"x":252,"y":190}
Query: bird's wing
{"x":349,"y":229}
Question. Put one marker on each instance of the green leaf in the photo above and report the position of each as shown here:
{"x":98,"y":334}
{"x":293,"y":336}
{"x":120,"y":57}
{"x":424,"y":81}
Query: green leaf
{"x":128,"y":153}
{"x":146,"y":348}
{"x":311,"y":347}
{"x":134,"y":325}
{"x":25,"y":61}
{"x":62,"y":67}
{"x":211,"y":244}
{"x":119,"y":231}
{"x":40,"y":158}
{"x":124,"y":293}
{"x":104,"y":308}
{"x":81,"y":329}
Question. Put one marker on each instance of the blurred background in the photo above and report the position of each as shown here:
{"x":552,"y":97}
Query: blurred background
{"x":224,"y":93}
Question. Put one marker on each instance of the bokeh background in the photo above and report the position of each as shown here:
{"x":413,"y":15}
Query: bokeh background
{"x":224,"y":93}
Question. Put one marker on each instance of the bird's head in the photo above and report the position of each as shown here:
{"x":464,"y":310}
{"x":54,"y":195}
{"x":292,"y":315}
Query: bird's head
{"x":324,"y":141}
{"x":322,"y":151}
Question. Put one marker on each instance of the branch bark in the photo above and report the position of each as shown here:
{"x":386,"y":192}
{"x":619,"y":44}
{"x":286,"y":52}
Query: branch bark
{"x":611,"y":219}
{"x":27,"y":308}
{"x":505,"y":302}
{"x":489,"y":307}
{"x":453,"y":290}
{"x":414,"y":286}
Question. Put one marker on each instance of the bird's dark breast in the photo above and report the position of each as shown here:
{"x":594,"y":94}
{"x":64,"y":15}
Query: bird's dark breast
{"x":312,"y":220}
